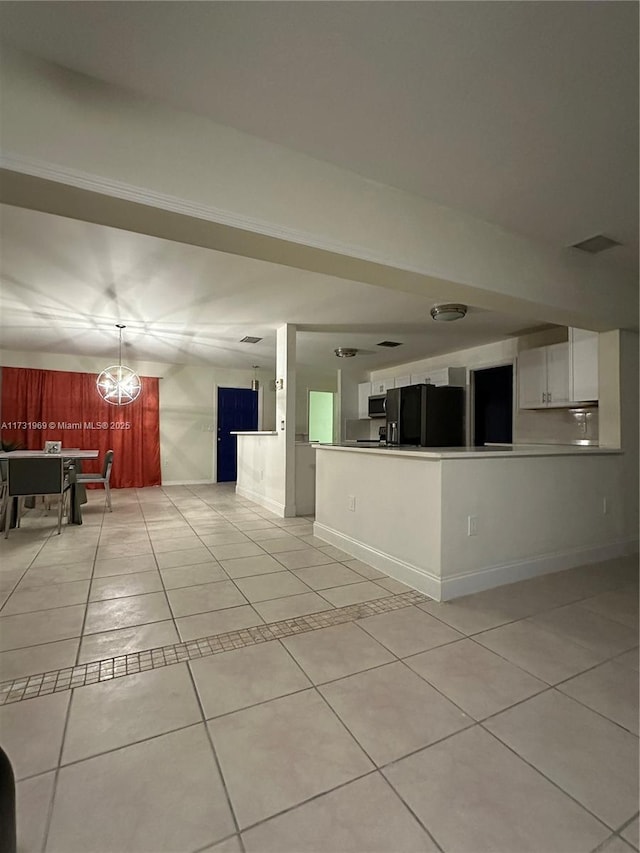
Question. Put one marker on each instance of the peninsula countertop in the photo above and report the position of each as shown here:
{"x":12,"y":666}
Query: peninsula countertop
{"x":511,"y":450}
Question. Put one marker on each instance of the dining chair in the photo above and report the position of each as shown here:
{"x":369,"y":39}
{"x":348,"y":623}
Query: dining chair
{"x":3,"y":489}
{"x":103,"y":478}
{"x":34,"y":477}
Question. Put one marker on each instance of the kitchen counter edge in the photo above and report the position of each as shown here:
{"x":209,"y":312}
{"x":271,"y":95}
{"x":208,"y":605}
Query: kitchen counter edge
{"x":519,"y":451}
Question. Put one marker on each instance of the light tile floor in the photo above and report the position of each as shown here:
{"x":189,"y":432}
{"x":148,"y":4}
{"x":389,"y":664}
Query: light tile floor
{"x":247,"y":687}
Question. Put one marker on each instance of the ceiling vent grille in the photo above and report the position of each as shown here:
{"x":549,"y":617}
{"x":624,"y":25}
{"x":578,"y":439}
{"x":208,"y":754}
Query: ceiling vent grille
{"x":596,"y":244}
{"x":249,"y":340}
{"x":389,"y":344}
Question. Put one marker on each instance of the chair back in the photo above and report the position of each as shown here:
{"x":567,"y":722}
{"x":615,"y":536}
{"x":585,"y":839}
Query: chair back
{"x":36,"y":476}
{"x":107,"y":464}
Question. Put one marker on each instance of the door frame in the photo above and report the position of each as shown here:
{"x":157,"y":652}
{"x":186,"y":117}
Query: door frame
{"x":214,"y":425}
{"x":471,"y":400}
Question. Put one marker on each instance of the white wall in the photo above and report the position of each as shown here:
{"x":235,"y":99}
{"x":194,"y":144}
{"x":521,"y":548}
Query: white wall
{"x":397,"y":507}
{"x":528,"y":509}
{"x":618,"y":362}
{"x":261,"y":471}
{"x":534,"y":515}
{"x":305,"y":479}
{"x":188,"y":397}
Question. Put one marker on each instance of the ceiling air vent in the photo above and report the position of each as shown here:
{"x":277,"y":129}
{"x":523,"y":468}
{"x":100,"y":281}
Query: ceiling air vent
{"x":389,"y":344}
{"x":596,"y":244}
{"x":250,"y":340}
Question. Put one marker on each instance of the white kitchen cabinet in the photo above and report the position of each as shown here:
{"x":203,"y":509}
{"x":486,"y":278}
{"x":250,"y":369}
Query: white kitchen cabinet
{"x":441,"y":376}
{"x":558,"y":375}
{"x":543,"y":377}
{"x":381,"y":386}
{"x":583,"y":366}
{"x":364,"y":392}
{"x":532,"y":378}
{"x":402,"y":381}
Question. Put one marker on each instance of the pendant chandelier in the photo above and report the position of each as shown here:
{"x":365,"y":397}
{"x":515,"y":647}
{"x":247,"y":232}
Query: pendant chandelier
{"x":118,"y":384}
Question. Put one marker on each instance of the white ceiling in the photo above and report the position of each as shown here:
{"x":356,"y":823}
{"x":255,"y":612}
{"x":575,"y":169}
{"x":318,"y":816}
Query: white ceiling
{"x":65,"y":283}
{"x":524,"y":114}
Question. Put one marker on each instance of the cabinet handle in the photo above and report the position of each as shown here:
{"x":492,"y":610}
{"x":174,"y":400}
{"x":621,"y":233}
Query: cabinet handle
{"x":544,"y":397}
{"x":549,"y":397}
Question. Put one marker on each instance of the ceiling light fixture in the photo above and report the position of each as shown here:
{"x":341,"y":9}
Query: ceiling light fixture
{"x":345,"y":352}
{"x":255,"y":382}
{"x":448,"y":312}
{"x":118,"y":384}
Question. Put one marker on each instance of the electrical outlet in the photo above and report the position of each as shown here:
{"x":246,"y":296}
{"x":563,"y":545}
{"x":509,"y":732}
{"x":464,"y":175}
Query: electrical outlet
{"x":606,"y":506}
{"x":472,"y":525}
{"x":351,"y":503}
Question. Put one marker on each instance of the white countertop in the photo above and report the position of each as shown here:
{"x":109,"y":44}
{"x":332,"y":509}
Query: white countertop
{"x":512,"y":450}
{"x":254,"y":432}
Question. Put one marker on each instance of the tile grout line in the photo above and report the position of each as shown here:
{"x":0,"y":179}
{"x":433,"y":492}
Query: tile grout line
{"x":54,"y":788}
{"x":117,"y":666}
{"x":544,"y":775}
{"x":232,"y":580}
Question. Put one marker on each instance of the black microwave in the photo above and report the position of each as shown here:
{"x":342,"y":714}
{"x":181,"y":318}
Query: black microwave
{"x":378,"y":406}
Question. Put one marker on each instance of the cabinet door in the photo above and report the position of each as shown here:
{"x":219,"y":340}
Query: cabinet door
{"x":381,"y":386}
{"x":421,"y":378}
{"x":584,"y":365}
{"x":440,"y":376}
{"x":402,"y":381}
{"x":532,"y":378}
{"x":364,"y":392}
{"x":558,"y":374}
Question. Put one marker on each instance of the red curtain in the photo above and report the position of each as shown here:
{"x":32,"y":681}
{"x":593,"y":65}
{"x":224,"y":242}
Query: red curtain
{"x":53,"y":405}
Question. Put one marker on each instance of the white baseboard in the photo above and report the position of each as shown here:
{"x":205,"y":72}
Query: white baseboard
{"x":454,"y":586}
{"x":273,"y":506}
{"x":188,"y":482}
{"x":413,"y":576}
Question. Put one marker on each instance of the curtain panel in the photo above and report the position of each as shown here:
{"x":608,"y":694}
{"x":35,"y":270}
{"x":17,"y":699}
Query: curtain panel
{"x":54,"y":405}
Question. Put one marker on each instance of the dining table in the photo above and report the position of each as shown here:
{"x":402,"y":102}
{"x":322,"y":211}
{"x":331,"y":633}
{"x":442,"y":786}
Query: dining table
{"x":77,"y":491}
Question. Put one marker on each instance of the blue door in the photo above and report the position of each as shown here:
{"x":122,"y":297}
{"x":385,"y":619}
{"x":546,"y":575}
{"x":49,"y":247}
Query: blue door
{"x":237,"y":410}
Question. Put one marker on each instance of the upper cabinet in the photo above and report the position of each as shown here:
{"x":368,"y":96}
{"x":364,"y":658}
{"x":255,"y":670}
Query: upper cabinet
{"x":401,"y":381}
{"x":441,"y":376}
{"x":583,"y":366}
{"x":381,"y":386}
{"x":562,"y":374}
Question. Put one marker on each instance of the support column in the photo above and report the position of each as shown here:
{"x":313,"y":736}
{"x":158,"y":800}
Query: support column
{"x":286,"y":411}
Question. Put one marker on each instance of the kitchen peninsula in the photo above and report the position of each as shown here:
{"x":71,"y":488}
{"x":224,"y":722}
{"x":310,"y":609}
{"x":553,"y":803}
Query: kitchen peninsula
{"x":453,"y":521}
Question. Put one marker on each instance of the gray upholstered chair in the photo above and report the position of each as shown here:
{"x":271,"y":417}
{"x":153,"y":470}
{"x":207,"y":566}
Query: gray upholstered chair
{"x":97,"y":478}
{"x":34,"y":477}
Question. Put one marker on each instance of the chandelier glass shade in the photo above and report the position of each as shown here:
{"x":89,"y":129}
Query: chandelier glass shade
{"x":119,"y":385}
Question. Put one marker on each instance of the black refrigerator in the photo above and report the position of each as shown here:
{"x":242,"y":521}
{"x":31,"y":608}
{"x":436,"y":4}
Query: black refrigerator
{"x":426,"y":415}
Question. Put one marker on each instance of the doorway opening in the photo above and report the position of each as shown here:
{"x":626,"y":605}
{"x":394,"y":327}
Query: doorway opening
{"x":237,"y":410}
{"x":321,"y":417}
{"x":493,"y":405}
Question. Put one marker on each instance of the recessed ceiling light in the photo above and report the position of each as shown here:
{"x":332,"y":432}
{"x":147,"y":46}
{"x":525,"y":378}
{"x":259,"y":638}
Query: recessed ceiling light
{"x":448,"y":312}
{"x":345,"y":352}
{"x":249,"y":340}
{"x":596,"y":244}
{"x":389,"y":344}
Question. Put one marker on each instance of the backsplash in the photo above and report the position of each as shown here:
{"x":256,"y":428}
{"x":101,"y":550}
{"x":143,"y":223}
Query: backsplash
{"x":556,"y":426}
